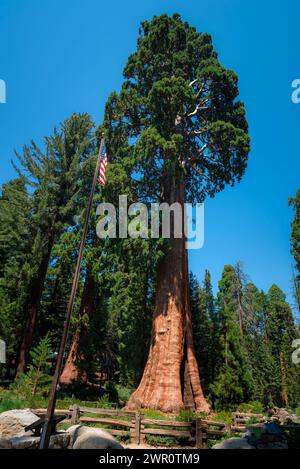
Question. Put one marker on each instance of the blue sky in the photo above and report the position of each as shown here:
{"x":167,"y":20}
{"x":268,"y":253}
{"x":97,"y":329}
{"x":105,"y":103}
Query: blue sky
{"x":64,"y":56}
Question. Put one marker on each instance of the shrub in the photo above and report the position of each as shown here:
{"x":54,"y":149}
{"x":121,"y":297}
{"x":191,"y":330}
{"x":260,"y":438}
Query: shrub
{"x":255,"y":406}
{"x":36,"y":381}
{"x":104,"y":402}
{"x":185,"y":415}
{"x":10,"y":403}
{"x":124,"y":394}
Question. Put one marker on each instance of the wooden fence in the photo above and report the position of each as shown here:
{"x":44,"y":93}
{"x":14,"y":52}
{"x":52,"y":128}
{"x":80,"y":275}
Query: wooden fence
{"x":138,"y":427}
{"x":241,"y":419}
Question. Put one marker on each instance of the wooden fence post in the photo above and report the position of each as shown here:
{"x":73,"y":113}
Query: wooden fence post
{"x":75,"y":414}
{"x":137,"y":428}
{"x":199,"y":434}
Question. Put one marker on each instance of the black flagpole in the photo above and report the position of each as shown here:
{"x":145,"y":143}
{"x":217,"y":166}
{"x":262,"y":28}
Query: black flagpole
{"x":48,"y":423}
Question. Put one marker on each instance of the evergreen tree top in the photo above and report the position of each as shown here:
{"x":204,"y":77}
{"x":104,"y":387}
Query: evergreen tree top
{"x":178,"y":112}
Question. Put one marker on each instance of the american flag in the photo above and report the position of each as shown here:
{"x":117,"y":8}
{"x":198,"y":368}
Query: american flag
{"x":103,"y":166}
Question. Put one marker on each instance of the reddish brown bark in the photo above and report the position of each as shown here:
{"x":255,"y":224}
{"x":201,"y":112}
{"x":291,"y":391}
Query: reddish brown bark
{"x":171,"y":378}
{"x":34,"y":302}
{"x":71,"y":371}
{"x":284,"y":393}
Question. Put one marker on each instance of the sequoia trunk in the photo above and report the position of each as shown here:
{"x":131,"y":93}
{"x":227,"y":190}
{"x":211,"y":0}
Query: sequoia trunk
{"x":71,"y":371}
{"x":171,"y":378}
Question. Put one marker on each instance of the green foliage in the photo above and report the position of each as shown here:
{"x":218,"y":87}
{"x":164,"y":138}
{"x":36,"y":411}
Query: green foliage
{"x":125,"y":439}
{"x":104,"y":402}
{"x":124,"y":394}
{"x":280,"y":332}
{"x":169,"y":441}
{"x":154,"y":414}
{"x":10,"y":403}
{"x":204,"y":319}
{"x":152,"y":118}
{"x":242,"y":338}
{"x":223,"y":416}
{"x":37,"y":379}
{"x":15,"y":246}
{"x":185,"y":415}
{"x":112,"y":391}
{"x":233,"y":383}
{"x":253,"y":406}
{"x":297,"y":411}
{"x":295,"y":245}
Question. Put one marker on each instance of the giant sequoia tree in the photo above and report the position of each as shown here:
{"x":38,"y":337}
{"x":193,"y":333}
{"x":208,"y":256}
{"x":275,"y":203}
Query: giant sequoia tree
{"x":188,"y":136}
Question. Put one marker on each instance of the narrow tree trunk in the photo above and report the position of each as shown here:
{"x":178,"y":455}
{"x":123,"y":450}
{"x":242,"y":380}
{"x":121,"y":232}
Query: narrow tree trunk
{"x":284,"y":394}
{"x":34,"y":302}
{"x":71,"y":371}
{"x":171,"y":379}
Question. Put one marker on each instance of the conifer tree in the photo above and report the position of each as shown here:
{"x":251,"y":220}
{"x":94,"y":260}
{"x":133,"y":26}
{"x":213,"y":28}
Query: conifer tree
{"x":204,"y":320}
{"x":55,"y":175}
{"x":280,"y":331}
{"x":111,"y":325}
{"x":295,"y":246}
{"x":15,"y":244}
{"x":187,"y":135}
{"x":233,"y":383}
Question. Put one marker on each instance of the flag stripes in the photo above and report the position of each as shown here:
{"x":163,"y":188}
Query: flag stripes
{"x":103,"y":166}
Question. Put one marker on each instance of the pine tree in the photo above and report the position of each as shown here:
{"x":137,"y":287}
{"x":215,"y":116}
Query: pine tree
{"x":233,"y":383}
{"x":37,"y":380}
{"x":55,"y":175}
{"x":260,"y":360}
{"x":187,"y":136}
{"x":204,"y":328}
{"x":295,"y":246}
{"x":280,"y":331}
{"x":15,"y":244}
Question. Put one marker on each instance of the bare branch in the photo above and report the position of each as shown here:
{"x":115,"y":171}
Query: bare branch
{"x":198,"y":108}
{"x":196,"y":132}
{"x":192,"y":82}
{"x":193,"y":158}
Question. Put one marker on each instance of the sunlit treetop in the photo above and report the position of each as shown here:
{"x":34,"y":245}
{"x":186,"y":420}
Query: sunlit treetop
{"x":178,"y":113}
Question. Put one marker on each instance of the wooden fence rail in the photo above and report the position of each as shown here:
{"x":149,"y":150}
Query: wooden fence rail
{"x":137,"y":426}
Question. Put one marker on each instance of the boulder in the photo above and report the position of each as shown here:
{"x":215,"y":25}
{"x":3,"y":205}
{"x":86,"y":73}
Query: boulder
{"x":234,"y":443}
{"x":5,"y":444}
{"x":13,"y":422}
{"x":268,"y":436}
{"x":82,"y":437}
{"x":24,"y":442}
{"x":283,"y":415}
{"x":58,"y":441}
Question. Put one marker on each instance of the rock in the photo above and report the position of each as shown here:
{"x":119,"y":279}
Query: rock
{"x":82,"y":437}
{"x":58,"y":441}
{"x":269,"y":436}
{"x":24,"y":442}
{"x":13,"y":422}
{"x":268,"y":433}
{"x":234,"y":443}
{"x":5,"y":444}
{"x":271,"y":433}
{"x":283,"y":415}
